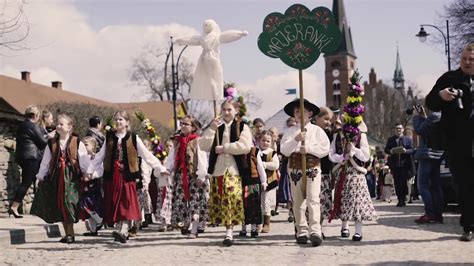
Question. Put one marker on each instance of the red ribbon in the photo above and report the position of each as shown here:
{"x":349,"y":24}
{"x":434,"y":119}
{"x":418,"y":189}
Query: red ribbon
{"x":61,"y":188}
{"x":181,"y":161}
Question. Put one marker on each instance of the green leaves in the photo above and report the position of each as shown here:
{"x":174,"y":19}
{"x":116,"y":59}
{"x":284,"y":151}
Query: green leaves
{"x":299,"y":36}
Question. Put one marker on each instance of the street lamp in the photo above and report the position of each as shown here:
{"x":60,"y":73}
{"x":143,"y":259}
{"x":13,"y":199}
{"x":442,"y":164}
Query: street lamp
{"x":422,"y":35}
{"x":174,"y":77}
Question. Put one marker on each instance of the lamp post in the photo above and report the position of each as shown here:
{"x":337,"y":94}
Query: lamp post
{"x":174,"y":77}
{"x":422,"y":35}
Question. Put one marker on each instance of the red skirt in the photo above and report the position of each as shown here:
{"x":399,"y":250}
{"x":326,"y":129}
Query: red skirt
{"x":120,"y":198}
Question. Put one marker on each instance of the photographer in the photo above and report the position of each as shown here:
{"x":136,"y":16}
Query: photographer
{"x":452,"y":95}
{"x":429,"y":155}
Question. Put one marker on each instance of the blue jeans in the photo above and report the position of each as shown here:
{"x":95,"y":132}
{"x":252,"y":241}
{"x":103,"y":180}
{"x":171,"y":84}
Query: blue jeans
{"x":429,"y":186}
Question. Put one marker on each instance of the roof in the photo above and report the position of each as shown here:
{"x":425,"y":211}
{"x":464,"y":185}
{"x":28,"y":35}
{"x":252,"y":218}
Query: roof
{"x":20,"y":93}
{"x":346,"y":47}
{"x":278,"y":120}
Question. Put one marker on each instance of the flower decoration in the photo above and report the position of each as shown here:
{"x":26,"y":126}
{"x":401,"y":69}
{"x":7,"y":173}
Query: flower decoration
{"x":158,"y":148}
{"x":231,"y":93}
{"x":354,"y":109}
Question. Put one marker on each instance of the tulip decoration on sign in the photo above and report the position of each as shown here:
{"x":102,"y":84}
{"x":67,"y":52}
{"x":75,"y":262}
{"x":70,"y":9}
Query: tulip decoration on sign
{"x":158,"y":149}
{"x":354,"y":109}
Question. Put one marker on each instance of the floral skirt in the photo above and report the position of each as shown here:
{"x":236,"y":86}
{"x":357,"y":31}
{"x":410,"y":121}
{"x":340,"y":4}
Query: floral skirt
{"x":356,"y":203}
{"x":184,"y":209}
{"x":57,"y":199}
{"x":225,"y":202}
{"x":325,"y":195}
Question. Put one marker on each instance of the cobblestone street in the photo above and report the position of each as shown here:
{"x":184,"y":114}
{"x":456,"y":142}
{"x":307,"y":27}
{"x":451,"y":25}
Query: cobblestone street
{"x":394,"y":239}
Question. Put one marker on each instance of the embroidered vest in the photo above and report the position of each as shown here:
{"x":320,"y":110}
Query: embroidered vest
{"x":129,"y":156}
{"x":272,"y":175}
{"x":72,"y":146}
{"x":235,"y":129}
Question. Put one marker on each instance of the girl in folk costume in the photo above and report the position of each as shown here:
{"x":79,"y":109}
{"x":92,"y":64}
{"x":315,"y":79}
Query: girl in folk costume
{"x":60,"y":173}
{"x":227,"y":143}
{"x":350,"y":150}
{"x":254,"y":182}
{"x":324,"y":121}
{"x":165,"y":193}
{"x":120,"y":155}
{"x":189,"y":167}
{"x":270,"y":162}
{"x":352,"y":200}
{"x":91,"y":192}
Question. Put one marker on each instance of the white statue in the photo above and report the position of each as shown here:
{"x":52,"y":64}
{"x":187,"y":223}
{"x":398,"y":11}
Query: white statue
{"x":208,"y":79}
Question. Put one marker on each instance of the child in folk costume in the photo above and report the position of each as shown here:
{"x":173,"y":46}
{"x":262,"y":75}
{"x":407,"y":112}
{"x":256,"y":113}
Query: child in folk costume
{"x":352,"y":200}
{"x":387,"y":181}
{"x":271,"y":163}
{"x":120,"y":155}
{"x":165,"y":194}
{"x":316,"y":147}
{"x":227,"y":143}
{"x":64,"y":161}
{"x":189,"y":167}
{"x":324,"y":121}
{"x":254,"y":183}
{"x":91,"y":203}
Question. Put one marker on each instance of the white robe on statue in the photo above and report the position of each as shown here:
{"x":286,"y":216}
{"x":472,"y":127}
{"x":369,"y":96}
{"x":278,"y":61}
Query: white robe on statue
{"x":208,"y":81}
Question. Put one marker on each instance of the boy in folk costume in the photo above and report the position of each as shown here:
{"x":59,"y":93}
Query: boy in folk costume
{"x":316,"y":147}
{"x":271,"y":163}
{"x":120,"y":155}
{"x":91,"y":203}
{"x":352,"y":201}
{"x":227,"y":143}
{"x":189,"y":168}
{"x":64,"y":161}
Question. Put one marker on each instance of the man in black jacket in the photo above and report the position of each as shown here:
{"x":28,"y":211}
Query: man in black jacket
{"x":30,"y":141}
{"x":452,"y":95}
{"x":400,"y":149}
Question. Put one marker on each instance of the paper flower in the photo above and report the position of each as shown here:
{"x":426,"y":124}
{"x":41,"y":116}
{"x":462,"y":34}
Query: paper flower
{"x":353,"y":111}
{"x":157,"y":148}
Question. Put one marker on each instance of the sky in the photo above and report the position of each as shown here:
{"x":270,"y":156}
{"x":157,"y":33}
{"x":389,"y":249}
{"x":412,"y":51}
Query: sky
{"x":89,"y":45}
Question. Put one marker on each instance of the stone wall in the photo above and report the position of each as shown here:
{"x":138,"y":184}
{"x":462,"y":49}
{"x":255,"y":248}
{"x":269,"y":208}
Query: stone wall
{"x":10,"y":172}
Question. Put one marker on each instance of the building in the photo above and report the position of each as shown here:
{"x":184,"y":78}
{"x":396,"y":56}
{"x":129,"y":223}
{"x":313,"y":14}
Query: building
{"x":340,"y":64}
{"x":17,"y":94}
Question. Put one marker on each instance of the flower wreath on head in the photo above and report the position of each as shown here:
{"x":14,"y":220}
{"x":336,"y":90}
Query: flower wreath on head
{"x":231,"y":93}
{"x":354,"y":109}
{"x":158,"y":149}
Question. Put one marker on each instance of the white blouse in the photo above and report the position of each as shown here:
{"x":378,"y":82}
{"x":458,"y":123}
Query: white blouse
{"x":316,"y":141}
{"x":362,"y":153}
{"x":83,"y":157}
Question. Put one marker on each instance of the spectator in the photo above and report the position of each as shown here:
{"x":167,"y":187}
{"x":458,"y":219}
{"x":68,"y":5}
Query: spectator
{"x":95,"y":130}
{"x":400,"y":148}
{"x":429,"y":159}
{"x":452,"y":95}
{"x":31,"y":142}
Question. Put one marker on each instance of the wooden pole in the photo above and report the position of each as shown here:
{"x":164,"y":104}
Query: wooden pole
{"x":215,"y":116}
{"x":303,"y":156}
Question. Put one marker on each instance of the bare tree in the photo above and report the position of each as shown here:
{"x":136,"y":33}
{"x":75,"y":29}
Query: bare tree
{"x":461,"y":25}
{"x":14,"y":25}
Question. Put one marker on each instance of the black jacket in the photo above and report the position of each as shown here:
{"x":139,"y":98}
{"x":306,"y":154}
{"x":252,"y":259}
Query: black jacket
{"x":30,"y":141}
{"x":404,"y":160}
{"x":456,"y":122}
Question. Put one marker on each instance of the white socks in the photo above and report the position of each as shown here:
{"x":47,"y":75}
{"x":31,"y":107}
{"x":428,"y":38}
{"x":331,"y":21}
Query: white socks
{"x":229,"y":233}
{"x":358,"y":228}
{"x":254,"y":227}
{"x":124,"y":226}
{"x":344,"y":225}
{"x":195,"y":224}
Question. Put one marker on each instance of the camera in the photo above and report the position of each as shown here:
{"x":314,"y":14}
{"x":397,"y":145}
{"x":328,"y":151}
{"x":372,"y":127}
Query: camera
{"x":458,"y":97}
{"x":414,"y":107}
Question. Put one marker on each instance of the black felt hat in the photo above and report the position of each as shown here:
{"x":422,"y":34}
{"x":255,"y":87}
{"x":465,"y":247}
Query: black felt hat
{"x":290,"y":107}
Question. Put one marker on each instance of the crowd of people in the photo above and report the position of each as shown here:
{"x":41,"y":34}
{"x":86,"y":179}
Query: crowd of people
{"x":234,"y":173}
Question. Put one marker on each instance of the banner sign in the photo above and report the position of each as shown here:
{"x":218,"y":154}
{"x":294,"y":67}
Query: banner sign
{"x":299,"y":36}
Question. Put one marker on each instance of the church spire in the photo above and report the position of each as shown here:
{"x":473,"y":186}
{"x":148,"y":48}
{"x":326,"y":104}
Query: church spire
{"x":346,"y":47}
{"x":398,"y":80}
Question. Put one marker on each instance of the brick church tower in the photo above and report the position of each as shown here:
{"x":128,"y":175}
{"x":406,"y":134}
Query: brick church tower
{"x":340,"y":64}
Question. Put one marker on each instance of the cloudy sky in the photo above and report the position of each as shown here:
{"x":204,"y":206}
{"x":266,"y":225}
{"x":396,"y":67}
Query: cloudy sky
{"x":90,"y":44}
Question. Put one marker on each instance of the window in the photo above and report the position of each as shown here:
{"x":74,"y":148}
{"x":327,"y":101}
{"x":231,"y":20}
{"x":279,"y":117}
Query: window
{"x":335,"y":64}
